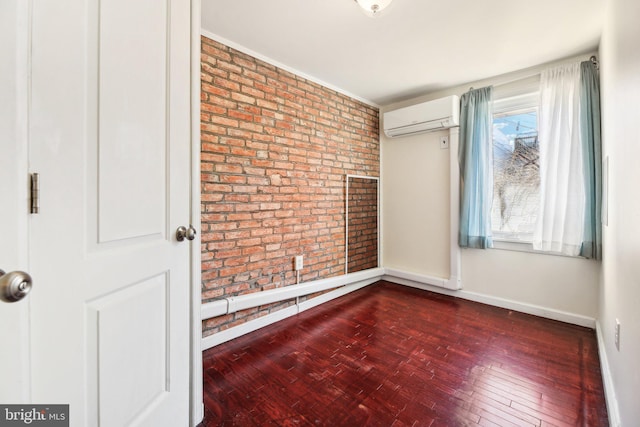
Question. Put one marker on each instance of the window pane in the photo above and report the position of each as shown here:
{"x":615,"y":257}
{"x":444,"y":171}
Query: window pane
{"x":516,"y":175}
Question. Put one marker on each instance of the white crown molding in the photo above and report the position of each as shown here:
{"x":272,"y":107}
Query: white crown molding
{"x":285,"y":67}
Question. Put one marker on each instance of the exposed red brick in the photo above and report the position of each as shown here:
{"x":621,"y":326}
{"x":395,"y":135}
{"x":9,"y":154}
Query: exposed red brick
{"x":275,"y":151}
{"x":363,"y":224}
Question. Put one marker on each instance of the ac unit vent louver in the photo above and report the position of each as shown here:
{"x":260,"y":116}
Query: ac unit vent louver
{"x":428,"y":116}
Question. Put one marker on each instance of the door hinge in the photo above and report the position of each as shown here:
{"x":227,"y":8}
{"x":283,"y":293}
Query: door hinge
{"x":35,"y":194}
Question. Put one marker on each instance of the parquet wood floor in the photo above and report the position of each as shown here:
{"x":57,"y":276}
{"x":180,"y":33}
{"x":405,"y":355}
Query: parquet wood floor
{"x":389,"y":355}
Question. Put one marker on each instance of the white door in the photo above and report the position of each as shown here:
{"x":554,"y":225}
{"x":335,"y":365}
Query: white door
{"x":109,"y":135}
{"x":14,"y":318}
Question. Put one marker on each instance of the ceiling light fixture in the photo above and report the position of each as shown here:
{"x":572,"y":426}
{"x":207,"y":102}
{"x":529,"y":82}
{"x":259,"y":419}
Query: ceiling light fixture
{"x":373,"y":7}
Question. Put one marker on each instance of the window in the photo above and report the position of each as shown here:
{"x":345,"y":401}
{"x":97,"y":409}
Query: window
{"x":545,"y":139}
{"x":516,"y":168}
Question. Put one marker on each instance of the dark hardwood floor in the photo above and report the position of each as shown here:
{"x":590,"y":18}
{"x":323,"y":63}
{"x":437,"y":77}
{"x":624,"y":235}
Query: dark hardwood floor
{"x":389,"y":355}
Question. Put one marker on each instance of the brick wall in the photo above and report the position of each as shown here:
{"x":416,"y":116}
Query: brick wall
{"x":275,"y":151}
{"x":363,"y":224}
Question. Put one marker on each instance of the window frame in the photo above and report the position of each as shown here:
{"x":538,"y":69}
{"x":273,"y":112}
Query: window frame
{"x":515,"y":99}
{"x":511,"y":100}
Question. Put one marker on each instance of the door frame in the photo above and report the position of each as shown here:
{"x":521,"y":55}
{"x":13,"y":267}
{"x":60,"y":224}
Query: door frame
{"x":196,"y":375}
{"x":15,"y":233}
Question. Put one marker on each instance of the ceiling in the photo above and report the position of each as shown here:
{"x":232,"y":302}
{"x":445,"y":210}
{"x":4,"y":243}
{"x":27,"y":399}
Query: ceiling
{"x":414,"y":47}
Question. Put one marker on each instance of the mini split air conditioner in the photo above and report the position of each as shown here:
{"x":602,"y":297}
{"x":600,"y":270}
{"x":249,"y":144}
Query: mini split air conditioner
{"x":428,"y":116}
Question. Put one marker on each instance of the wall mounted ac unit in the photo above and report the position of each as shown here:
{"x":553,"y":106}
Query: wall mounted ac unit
{"x":428,"y":116}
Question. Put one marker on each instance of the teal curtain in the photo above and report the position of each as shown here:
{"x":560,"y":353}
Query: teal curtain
{"x":475,"y":155}
{"x":592,"y":159}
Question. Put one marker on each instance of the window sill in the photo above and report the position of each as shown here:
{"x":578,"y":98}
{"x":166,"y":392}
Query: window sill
{"x":510,"y":245}
{"x":515,"y":246}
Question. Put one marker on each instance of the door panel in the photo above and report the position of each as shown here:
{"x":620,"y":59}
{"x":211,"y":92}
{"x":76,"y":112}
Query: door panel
{"x":110,"y":139}
{"x":141,"y":342}
{"x":133,"y":117}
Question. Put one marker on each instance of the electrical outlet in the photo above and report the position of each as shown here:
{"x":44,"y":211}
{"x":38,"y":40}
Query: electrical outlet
{"x":298,"y":263}
{"x":617,"y":334}
{"x":444,"y":142}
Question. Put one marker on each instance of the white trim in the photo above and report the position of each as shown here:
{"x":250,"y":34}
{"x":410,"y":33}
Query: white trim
{"x":336,"y":293}
{"x":380,"y":194}
{"x":196,"y":401}
{"x":255,"y":324}
{"x":346,"y":219}
{"x":529,"y":102}
{"x":391,"y":273}
{"x":363,"y":177}
{"x":526,"y":247}
{"x":455,"y":281}
{"x":605,"y":192}
{"x":434,"y":284}
{"x":609,"y":389}
{"x":282,"y":66}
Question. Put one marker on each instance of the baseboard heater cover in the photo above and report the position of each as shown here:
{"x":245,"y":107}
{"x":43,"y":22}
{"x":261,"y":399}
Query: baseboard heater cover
{"x":242,"y":302}
{"x":255,"y":324}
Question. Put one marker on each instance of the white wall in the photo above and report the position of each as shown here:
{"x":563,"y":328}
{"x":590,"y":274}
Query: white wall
{"x":415,"y":208}
{"x":559,"y":283}
{"x":415,"y":228}
{"x":620,"y":290}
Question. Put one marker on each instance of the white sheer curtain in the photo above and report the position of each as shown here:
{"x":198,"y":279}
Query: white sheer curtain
{"x":562,"y":194}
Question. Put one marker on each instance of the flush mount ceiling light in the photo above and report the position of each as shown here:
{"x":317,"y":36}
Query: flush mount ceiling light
{"x":373,"y":7}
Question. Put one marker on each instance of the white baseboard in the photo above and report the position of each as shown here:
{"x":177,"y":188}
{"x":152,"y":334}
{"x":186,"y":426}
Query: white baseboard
{"x":358,"y":281}
{"x":609,"y":390}
{"x":314,"y":302}
{"x":434,"y":285}
{"x":394,"y":273}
